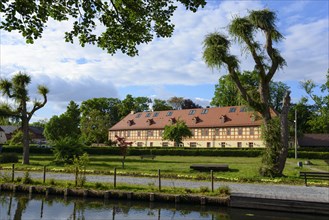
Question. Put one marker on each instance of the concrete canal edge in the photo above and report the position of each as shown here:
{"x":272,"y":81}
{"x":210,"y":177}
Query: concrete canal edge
{"x":240,"y":200}
{"x":236,"y":200}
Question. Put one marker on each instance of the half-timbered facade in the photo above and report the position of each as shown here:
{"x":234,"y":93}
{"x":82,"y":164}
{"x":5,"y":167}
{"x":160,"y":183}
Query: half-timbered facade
{"x":219,"y":127}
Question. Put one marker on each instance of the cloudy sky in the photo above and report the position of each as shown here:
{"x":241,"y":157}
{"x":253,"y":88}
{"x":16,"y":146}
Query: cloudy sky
{"x":166,"y":67}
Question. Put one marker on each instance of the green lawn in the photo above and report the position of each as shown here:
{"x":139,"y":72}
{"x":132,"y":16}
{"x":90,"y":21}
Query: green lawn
{"x":242,"y":169}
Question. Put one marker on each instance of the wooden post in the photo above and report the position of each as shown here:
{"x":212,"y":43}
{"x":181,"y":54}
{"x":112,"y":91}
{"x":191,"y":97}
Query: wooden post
{"x":212,"y":180}
{"x":44,"y":174}
{"x":159,"y":175}
{"x":13,"y":173}
{"x":115,"y":178}
{"x":76,"y":176}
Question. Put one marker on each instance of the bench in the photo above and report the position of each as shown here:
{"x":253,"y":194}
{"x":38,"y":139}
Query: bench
{"x":208,"y":167}
{"x":314,"y":175}
{"x":148,"y":156}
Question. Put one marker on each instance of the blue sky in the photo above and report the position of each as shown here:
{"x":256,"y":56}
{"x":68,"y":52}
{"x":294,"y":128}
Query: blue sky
{"x":166,"y":67}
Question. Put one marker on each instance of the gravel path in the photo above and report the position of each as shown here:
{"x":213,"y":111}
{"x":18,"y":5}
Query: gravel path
{"x":299,"y":193}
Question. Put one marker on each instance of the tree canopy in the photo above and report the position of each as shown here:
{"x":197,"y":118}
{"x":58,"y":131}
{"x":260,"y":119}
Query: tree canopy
{"x":319,"y":122}
{"x":227,"y":94}
{"x":176,"y":132}
{"x":111,"y":25}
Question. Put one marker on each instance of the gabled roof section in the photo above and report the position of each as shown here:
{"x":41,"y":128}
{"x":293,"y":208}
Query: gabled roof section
{"x":9,"y":129}
{"x":314,"y":140}
{"x":205,"y":118}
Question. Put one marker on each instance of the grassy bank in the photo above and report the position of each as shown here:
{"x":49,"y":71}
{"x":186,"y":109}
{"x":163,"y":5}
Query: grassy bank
{"x":242,"y":169}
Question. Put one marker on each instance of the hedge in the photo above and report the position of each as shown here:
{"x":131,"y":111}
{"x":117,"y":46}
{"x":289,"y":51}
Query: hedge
{"x":174,"y":151}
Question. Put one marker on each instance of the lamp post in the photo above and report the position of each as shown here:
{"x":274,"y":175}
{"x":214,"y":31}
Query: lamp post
{"x":295,"y":133}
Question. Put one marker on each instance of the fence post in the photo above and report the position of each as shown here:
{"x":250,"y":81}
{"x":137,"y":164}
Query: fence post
{"x":44,"y":174}
{"x":159,"y":175}
{"x":13,"y":173}
{"x":212,"y":180}
{"x":76,"y":176}
{"x":115,"y":178}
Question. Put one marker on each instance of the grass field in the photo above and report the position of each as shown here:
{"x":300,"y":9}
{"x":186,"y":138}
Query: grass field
{"x":242,"y":169}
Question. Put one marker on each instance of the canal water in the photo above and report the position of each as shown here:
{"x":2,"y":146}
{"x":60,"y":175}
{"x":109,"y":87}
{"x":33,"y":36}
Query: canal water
{"x":24,"y":206}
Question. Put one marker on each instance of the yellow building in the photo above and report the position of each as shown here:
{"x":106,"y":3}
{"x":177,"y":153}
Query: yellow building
{"x":219,"y":127}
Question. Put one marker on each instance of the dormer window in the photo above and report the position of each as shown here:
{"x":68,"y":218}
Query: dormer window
{"x":223,"y":118}
{"x":232,"y":109}
{"x":130,"y":122}
{"x":138,"y":115}
{"x":169,"y":113}
{"x":204,"y":111}
{"x":172,"y":120}
{"x":150,"y":121}
{"x":196,"y":119}
{"x":192,"y":112}
{"x":148,"y":115}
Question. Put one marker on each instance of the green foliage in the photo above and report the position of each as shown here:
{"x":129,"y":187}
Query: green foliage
{"x":66,"y":149}
{"x":176,"y":132}
{"x":223,"y":190}
{"x":271,"y":134}
{"x":17,"y":138}
{"x":160,"y":105}
{"x":8,"y":158}
{"x":318,"y":121}
{"x":136,"y":104}
{"x":108,"y":106}
{"x":65,"y":125}
{"x":80,"y":164}
{"x":204,"y":189}
{"x":27,"y":178}
{"x":111,"y":25}
{"x":94,"y":128}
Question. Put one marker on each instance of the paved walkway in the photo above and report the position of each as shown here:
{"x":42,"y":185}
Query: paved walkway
{"x":288,"y":192}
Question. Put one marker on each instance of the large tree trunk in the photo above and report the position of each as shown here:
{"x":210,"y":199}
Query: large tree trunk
{"x":26,"y":139}
{"x":283,"y":153}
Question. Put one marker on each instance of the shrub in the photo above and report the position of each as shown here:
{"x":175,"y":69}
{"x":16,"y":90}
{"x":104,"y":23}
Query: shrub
{"x":224,"y":190}
{"x":204,"y":189}
{"x":26,"y":178}
{"x":66,"y":149}
{"x":8,"y":158}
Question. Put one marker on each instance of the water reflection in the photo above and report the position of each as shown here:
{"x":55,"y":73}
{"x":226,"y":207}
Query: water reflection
{"x":22,"y":206}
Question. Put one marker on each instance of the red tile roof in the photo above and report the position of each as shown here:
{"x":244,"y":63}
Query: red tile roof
{"x":233,"y":116}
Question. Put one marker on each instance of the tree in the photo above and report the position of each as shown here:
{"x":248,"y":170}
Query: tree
{"x":189,"y":104}
{"x":305,"y":113}
{"x":176,"y":102}
{"x":40,"y":123}
{"x":17,"y":90}
{"x":136,"y":104}
{"x":176,"y":132}
{"x":108,"y":106}
{"x":267,"y":61}
{"x":6,"y":114}
{"x":65,"y":125}
{"x":227,"y":94}
{"x":160,"y":105}
{"x":111,"y":25}
{"x":95,"y":127}
{"x":319,"y":121}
